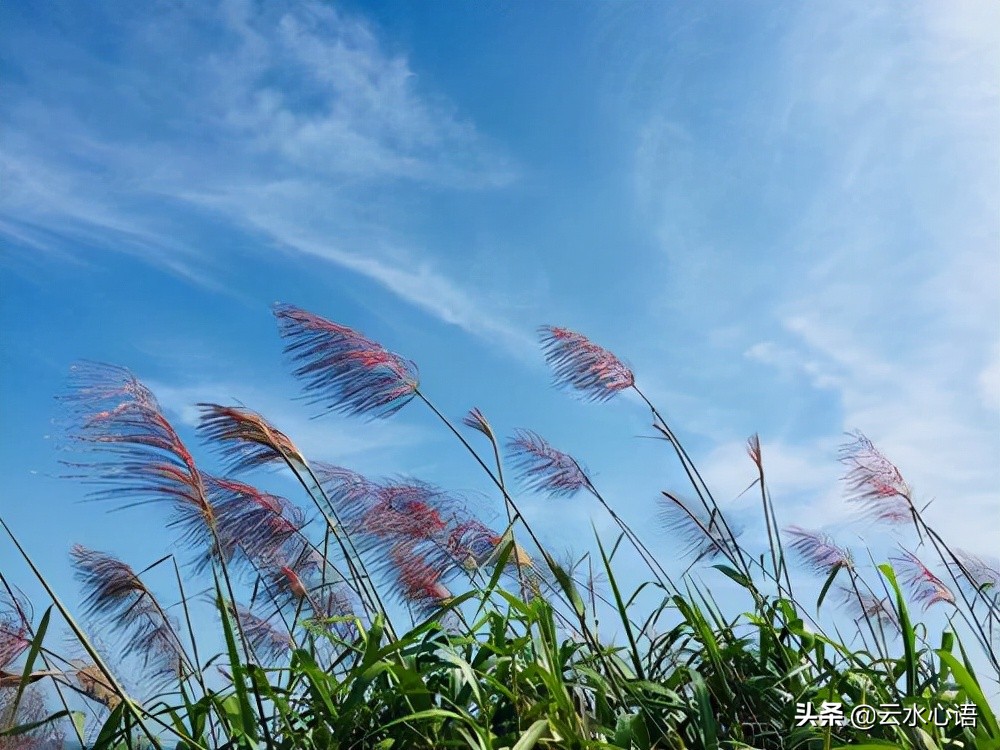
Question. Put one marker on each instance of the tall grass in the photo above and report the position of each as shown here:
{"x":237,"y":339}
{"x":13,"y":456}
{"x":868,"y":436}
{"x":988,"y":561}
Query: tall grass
{"x":375,"y":612}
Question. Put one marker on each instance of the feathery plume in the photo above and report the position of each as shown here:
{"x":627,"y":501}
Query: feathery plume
{"x":344,"y":370}
{"x":582,"y":365}
{"x":870,"y":607}
{"x":704,"y":536}
{"x":874,"y":482}
{"x":413,"y":510}
{"x":419,"y":582}
{"x":470,"y":543}
{"x":477,"y":421}
{"x":349,"y":493}
{"x":981,"y":572}
{"x":544,"y":468}
{"x":819,"y":551}
{"x":244,"y":438}
{"x":261,"y":526}
{"x":307,"y":579}
{"x":118,"y":415}
{"x":13,"y":641}
{"x":116,"y":597}
{"x":15,"y":628}
{"x":924,"y":584}
{"x":269,"y":643}
{"x":753,"y":450}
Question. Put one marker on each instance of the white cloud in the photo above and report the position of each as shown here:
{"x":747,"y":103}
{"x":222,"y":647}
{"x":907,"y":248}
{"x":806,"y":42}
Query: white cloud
{"x":880,"y":284}
{"x":989,"y":384}
{"x":292,"y":122}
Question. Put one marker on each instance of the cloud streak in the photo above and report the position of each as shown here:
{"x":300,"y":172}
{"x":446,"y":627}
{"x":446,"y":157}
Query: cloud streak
{"x":289,"y":123}
{"x":869,"y":268}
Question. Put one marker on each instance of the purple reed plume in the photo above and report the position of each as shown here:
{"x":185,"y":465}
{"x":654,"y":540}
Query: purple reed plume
{"x":15,"y":627}
{"x":477,"y":421}
{"x":582,"y":365}
{"x":269,"y":643}
{"x":704,"y":536}
{"x":926,"y":587}
{"x":419,"y":582}
{"x":344,"y":370}
{"x":544,"y":468}
{"x":982,"y":573}
{"x":819,"y":551}
{"x":869,"y":606}
{"x":875,"y":483}
{"x":13,"y":641}
{"x":405,"y":510}
{"x":118,"y":415}
{"x":244,"y":438}
{"x":306,"y":579}
{"x":117,"y":598}
{"x":259,"y":525}
{"x":753,"y":450}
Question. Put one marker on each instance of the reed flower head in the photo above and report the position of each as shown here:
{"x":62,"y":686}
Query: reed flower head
{"x":582,"y":365}
{"x":119,"y":416}
{"x":412,"y":509}
{"x":344,"y":370}
{"x":477,"y":421}
{"x":13,"y":641}
{"x":470,"y":543}
{"x":704,"y":535}
{"x":292,"y":582}
{"x":871,"y":607}
{"x":819,"y":551}
{"x":15,"y":628}
{"x":245,"y":438}
{"x":875,"y":483}
{"x":753,"y":450}
{"x":544,"y":468}
{"x":925,"y":586}
{"x":419,"y":582}
{"x":116,"y":597}
{"x":269,"y":643}
{"x":257,"y":524}
{"x":982,"y":573}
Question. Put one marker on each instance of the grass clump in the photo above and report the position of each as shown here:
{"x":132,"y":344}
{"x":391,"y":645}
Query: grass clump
{"x":383,"y":613}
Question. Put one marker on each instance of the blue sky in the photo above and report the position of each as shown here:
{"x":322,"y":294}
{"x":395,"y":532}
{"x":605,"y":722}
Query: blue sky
{"x":783,"y":216}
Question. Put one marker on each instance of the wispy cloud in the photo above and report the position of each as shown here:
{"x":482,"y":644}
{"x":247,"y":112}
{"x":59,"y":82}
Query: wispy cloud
{"x":290,"y":123}
{"x":870,"y":270}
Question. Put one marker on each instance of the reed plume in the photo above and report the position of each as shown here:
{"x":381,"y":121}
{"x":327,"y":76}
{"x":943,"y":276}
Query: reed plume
{"x":544,"y":468}
{"x":117,"y":415}
{"x":344,"y":370}
{"x":579,"y":364}
{"x":875,"y":483}
{"x":819,"y":551}
{"x":244,"y":438}
{"x":116,"y":597}
{"x":926,"y":587}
